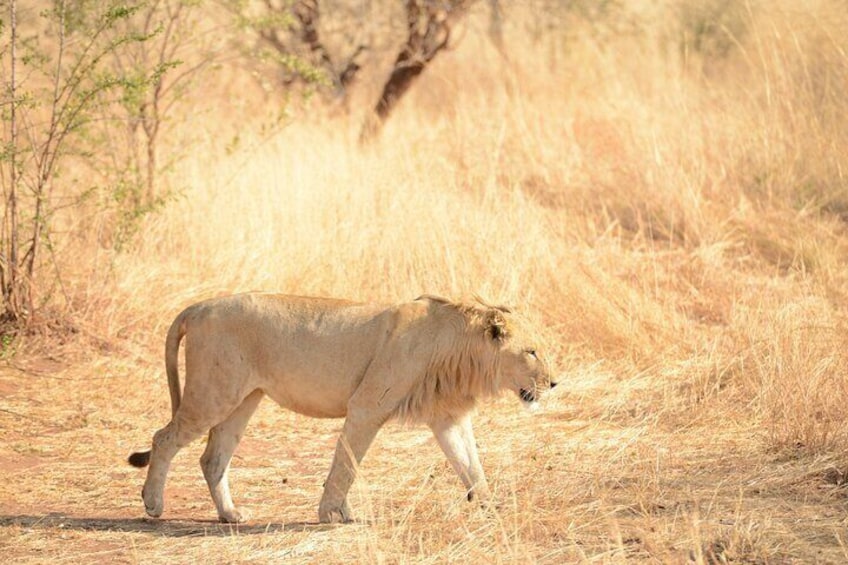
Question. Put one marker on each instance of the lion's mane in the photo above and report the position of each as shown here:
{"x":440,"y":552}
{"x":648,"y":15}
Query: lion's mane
{"x":464,"y":364}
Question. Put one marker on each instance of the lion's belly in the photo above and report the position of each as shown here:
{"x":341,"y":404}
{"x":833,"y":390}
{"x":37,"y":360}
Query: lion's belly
{"x":319,"y":384}
{"x":311,"y":397}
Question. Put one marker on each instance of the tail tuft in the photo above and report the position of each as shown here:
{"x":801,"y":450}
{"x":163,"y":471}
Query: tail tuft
{"x":139,"y":459}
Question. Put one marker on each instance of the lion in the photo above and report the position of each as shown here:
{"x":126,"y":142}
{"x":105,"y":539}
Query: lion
{"x":426,"y":361}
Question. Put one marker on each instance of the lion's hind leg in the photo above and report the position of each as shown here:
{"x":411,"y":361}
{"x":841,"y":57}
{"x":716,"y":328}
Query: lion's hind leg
{"x":215,"y":461}
{"x":166,"y":443}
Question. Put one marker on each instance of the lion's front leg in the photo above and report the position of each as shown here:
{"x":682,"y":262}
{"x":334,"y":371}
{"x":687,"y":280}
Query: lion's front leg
{"x":357,"y":434}
{"x":456,"y":438}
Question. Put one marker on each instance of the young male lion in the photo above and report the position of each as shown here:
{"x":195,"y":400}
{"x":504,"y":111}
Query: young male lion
{"x":423,"y":361}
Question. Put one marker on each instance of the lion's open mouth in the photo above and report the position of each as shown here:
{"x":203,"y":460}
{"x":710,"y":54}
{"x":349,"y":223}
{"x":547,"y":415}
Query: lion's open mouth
{"x":527,"y":396}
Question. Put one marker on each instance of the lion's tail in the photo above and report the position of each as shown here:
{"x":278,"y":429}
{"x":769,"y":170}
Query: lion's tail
{"x":172,"y":348}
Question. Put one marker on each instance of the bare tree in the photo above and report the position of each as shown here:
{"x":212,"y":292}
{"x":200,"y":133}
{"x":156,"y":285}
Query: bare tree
{"x":158,"y":73}
{"x":308,"y":14}
{"x":14,"y":289}
{"x":496,"y":17}
{"x":291,"y":32}
{"x":51,"y":117}
{"x":429,"y":24}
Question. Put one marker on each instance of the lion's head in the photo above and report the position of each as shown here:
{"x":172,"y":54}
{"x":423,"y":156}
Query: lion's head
{"x":481,"y":351}
{"x":521,"y":364}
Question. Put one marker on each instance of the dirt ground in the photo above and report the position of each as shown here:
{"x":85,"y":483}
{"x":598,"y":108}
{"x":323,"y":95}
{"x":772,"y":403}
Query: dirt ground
{"x":598,"y":476}
{"x":661,"y":184}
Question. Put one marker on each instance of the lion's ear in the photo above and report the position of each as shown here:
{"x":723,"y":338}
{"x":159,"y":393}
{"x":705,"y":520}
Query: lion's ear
{"x":496,"y":326}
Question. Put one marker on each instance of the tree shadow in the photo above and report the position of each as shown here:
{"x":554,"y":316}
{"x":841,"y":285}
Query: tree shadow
{"x":155,"y":526}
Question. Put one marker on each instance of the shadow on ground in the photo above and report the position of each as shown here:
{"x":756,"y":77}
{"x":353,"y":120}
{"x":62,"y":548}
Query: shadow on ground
{"x":166,"y":528}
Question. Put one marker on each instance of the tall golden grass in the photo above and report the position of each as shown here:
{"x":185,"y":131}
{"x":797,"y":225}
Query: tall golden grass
{"x":668,"y":199}
{"x":645,"y":198}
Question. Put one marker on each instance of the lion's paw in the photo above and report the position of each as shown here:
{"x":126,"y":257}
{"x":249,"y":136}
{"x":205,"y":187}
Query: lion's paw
{"x":479,"y":494}
{"x":490,"y":506}
{"x":334,"y":514}
{"x":153,"y":505}
{"x":234,"y":516}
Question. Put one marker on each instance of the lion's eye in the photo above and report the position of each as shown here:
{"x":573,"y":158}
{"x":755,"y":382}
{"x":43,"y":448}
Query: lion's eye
{"x":532,"y":353}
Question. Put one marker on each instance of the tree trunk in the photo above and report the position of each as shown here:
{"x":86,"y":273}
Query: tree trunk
{"x":496,"y":27}
{"x":428,"y":32}
{"x":12,"y":288}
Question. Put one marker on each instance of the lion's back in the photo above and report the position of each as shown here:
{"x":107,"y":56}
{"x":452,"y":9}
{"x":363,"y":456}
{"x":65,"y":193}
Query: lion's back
{"x":308,"y":354}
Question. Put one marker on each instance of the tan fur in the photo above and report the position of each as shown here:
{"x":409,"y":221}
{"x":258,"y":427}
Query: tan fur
{"x":425,"y":361}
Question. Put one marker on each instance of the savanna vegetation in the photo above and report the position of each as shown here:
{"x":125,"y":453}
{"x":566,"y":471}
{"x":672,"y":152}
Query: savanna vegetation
{"x":661,"y":186}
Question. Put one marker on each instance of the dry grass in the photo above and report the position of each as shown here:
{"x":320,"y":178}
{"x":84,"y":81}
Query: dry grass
{"x":671,"y":211}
